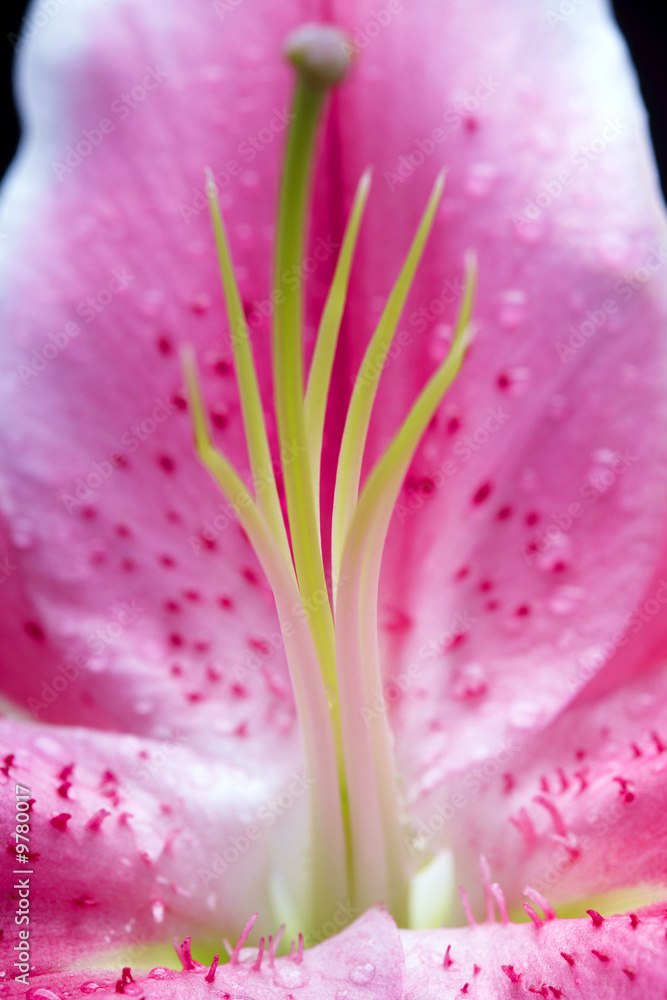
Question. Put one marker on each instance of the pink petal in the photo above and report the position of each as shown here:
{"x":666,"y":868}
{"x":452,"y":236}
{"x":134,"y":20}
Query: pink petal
{"x":562,"y":958}
{"x":131,"y":841}
{"x":366,"y":959}
{"x":533,"y":520}
{"x":125,"y":559}
{"x":575,"y":810}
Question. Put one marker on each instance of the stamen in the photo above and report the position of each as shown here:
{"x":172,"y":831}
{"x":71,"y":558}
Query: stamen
{"x":366,"y":385}
{"x":319,"y":377}
{"x":254,"y":425}
{"x":357,"y":850}
{"x":378,"y":849}
{"x":328,"y":867}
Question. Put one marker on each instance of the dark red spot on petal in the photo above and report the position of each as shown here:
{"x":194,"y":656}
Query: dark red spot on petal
{"x":219,"y":416}
{"x":482,"y":493}
{"x":35,"y":631}
{"x":166,"y":463}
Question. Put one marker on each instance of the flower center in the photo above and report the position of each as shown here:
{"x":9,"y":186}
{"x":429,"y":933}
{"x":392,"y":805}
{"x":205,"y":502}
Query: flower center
{"x":357,"y":842}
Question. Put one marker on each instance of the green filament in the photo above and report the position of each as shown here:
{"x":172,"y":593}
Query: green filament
{"x":356,"y":835}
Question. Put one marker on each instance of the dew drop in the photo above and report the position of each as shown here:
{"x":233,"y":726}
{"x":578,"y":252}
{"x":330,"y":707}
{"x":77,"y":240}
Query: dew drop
{"x":41,"y":993}
{"x":361,"y":975}
{"x":531,"y":232}
{"x":90,"y":987}
{"x":293,"y":977}
{"x":613,"y":249}
{"x":159,"y":973}
{"x":512,"y":308}
{"x":524,"y":715}
{"x":566,"y":599}
{"x":157,"y":909}
{"x":480,"y":178}
{"x":513,"y":381}
{"x":200,"y":304}
{"x":440,"y":342}
{"x":468,"y":681}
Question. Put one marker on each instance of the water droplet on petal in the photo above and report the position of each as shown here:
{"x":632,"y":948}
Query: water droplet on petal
{"x":480,"y":178}
{"x":293,"y":977}
{"x":90,"y":987}
{"x":512,"y":308}
{"x":566,"y":599}
{"x":558,"y":407}
{"x":361,"y":975}
{"x":157,"y":909}
{"x":440,"y":342}
{"x":468,"y":681}
{"x":41,"y":993}
{"x":160,"y":973}
{"x":524,"y":715}
{"x":613,"y":249}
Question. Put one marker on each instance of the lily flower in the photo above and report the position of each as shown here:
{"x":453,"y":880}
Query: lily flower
{"x":333,"y":505}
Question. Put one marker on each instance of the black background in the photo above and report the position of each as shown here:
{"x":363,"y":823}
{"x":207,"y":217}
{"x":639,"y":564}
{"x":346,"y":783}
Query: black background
{"x":642,"y":21}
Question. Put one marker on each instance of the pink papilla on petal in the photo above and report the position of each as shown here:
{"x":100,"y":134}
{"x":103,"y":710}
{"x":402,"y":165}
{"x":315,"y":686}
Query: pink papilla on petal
{"x":562,"y":958}
{"x":366,"y":958}
{"x":132,"y":841}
